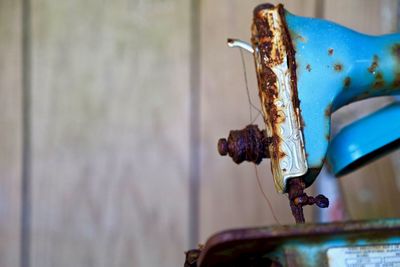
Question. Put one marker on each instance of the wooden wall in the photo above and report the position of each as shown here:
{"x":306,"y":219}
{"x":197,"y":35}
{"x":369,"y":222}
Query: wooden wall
{"x":112,"y":87}
{"x":109,"y":132}
{"x":10,"y":131}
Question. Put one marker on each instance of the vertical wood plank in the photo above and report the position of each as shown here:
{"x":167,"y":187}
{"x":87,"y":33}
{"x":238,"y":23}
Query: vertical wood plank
{"x":370,"y":192}
{"x":110,"y":132}
{"x":230,"y":196}
{"x":11,"y":131}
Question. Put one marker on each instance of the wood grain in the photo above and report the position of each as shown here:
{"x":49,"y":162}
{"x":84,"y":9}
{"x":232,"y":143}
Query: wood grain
{"x":110,"y":132}
{"x":230,"y":196}
{"x":11,"y":131}
{"x":370,"y":192}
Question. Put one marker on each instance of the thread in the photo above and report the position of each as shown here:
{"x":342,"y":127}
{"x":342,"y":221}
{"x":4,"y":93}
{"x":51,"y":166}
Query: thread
{"x":252,"y":106}
{"x":265,"y":196}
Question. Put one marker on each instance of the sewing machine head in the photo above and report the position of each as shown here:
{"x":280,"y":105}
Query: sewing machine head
{"x":307,"y":69}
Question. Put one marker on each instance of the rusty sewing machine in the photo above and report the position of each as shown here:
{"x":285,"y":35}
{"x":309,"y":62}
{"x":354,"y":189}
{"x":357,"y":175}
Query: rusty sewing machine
{"x":306,"y":70}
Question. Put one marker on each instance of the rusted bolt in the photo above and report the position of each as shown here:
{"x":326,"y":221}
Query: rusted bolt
{"x":298,"y":199}
{"x":249,"y":144}
{"x":320,"y":200}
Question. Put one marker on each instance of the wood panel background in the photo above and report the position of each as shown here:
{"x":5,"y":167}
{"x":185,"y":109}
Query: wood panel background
{"x":113,"y":87}
{"x":10,"y":131}
{"x":110,"y":132}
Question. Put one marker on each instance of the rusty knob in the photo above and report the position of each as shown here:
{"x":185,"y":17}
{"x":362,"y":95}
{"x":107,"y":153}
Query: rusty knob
{"x":249,"y":144}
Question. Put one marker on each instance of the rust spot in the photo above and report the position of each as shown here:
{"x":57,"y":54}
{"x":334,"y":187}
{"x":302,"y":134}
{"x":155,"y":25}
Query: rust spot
{"x":347,"y":82}
{"x":396,"y":51}
{"x":396,"y":54}
{"x":327,"y":137}
{"x":338,"y":67}
{"x":263,"y":34}
{"x":308,"y":67}
{"x":302,"y":123}
{"x":379,"y":81}
{"x":296,"y":36}
{"x":328,"y":110}
{"x":374,"y":64}
{"x":330,"y":51}
{"x":396,"y":82}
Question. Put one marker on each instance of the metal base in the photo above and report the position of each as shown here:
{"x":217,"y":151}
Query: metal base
{"x":304,"y":245}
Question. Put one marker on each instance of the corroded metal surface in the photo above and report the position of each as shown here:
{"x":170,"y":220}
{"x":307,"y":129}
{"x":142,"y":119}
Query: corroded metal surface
{"x":294,"y":245}
{"x":276,"y":75}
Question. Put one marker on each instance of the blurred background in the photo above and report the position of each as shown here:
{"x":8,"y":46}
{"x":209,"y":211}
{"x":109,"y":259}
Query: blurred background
{"x":109,"y":116}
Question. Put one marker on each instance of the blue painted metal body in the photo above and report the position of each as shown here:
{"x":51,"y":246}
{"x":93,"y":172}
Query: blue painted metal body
{"x":363,"y":138}
{"x":335,"y":67}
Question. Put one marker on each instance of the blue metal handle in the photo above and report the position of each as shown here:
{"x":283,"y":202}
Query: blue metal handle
{"x":364,"y":140}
